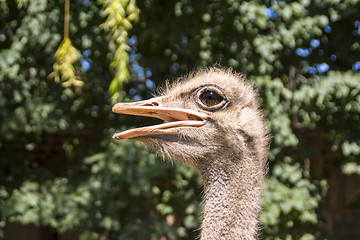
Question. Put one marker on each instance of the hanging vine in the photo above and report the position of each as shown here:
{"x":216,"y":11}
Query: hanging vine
{"x":119,"y":15}
{"x":65,"y":57}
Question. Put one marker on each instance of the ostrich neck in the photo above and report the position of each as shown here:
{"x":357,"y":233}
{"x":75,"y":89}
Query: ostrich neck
{"x":232,"y":188}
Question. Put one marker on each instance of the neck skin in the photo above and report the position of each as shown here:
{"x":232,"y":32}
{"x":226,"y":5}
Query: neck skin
{"x":232,"y":187}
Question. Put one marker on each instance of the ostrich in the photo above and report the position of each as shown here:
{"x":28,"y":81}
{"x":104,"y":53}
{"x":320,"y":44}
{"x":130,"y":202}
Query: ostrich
{"x":213,"y":121}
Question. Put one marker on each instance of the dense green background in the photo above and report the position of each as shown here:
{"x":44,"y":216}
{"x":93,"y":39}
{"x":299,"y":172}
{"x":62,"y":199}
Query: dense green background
{"x":62,"y":174}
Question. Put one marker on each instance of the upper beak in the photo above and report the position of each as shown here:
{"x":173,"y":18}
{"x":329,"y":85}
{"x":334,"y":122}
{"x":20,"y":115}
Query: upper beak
{"x":175,"y":117}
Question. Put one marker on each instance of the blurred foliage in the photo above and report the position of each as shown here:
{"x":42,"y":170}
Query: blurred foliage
{"x":66,"y":204}
{"x":59,"y":166}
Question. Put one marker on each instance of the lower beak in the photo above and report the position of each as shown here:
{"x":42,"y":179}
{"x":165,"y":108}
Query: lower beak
{"x":174,"y":117}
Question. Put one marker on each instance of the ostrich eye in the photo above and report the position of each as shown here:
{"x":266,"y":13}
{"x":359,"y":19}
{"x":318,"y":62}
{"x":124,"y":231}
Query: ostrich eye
{"x":210,"y":97}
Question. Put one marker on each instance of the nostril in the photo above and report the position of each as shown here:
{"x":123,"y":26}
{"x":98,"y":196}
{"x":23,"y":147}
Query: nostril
{"x":150,"y":104}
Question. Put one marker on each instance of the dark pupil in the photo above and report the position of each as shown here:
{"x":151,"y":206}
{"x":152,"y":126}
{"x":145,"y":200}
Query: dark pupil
{"x":210,"y":98}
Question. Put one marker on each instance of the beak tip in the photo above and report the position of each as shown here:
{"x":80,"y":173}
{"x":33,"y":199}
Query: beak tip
{"x":114,"y":108}
{"x":114,"y":137}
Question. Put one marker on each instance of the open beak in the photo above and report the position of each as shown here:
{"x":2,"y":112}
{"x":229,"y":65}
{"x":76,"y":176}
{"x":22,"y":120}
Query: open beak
{"x":174,"y":117}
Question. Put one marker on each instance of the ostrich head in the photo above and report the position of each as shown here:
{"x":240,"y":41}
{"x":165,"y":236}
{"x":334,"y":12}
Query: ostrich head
{"x":210,"y":112}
